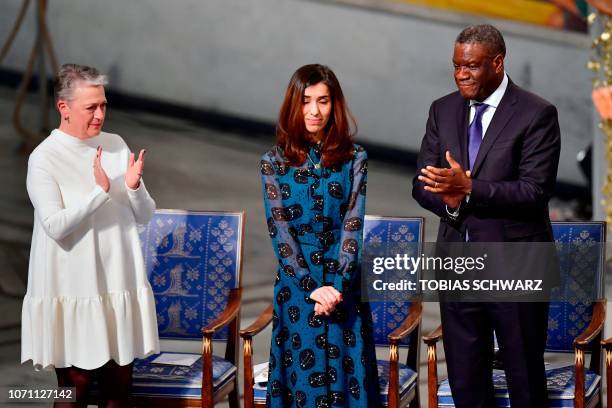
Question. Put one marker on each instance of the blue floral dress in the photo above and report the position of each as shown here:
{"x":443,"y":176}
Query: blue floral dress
{"x":315,"y":218}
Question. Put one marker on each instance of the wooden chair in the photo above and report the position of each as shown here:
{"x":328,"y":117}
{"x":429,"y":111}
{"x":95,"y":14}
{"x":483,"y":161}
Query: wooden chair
{"x":396,"y":321}
{"x":575,"y":326}
{"x":607,"y":346}
{"x":194,"y":263}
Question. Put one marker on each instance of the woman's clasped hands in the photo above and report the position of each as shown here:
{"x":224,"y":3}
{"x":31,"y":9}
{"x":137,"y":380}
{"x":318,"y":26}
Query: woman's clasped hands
{"x":326,"y":298}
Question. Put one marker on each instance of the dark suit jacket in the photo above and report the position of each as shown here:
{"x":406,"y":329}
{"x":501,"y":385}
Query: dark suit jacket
{"x":514,"y":173}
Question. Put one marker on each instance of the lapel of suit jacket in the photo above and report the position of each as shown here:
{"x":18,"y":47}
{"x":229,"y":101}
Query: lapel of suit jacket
{"x":502,"y":115}
{"x":462,"y":116}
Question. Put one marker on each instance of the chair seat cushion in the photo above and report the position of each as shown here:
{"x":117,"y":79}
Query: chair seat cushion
{"x":407,"y":381}
{"x":560,"y":382}
{"x":174,"y":381}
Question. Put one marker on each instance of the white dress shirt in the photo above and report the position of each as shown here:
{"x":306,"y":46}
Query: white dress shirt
{"x":493,"y":101}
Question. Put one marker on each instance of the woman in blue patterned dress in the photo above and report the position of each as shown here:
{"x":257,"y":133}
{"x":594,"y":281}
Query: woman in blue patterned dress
{"x":314,"y":186}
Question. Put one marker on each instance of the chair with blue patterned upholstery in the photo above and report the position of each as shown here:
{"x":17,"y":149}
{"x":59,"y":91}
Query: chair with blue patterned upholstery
{"x":396,"y":320}
{"x":194,"y":263}
{"x":575,"y":324}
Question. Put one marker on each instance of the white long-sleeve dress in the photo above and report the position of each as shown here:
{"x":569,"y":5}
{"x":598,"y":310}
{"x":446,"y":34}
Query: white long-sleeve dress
{"x":88,"y":299}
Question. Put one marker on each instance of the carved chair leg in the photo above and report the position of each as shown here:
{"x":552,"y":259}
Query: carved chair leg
{"x":432,"y":376}
{"x":579,"y":382}
{"x":608,"y":353}
{"x":207,"y":380}
{"x":248,"y":372}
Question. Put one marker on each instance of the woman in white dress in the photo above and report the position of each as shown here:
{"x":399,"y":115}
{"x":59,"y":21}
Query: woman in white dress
{"x":89,"y":309}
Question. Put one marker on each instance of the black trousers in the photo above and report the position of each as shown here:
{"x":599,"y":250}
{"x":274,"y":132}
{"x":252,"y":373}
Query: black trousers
{"x":520,"y":328}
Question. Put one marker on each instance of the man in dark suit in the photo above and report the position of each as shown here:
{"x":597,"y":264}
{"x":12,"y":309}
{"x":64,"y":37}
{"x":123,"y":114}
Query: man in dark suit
{"x":487,"y":167}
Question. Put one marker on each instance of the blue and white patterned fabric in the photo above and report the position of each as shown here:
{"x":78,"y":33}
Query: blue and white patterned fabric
{"x":560,"y":383}
{"x":192,"y":260}
{"x":386,"y":237}
{"x":170,"y":381}
{"x":581,"y":259}
{"x":407,"y":380}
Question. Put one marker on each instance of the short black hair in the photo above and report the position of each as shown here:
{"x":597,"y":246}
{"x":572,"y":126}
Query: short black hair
{"x":484,"y":34}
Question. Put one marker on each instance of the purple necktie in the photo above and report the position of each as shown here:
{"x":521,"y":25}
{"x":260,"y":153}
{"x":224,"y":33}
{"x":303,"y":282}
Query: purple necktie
{"x":475,"y":133}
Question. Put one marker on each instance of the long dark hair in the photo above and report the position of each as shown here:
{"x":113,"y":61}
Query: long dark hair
{"x":291,"y":134}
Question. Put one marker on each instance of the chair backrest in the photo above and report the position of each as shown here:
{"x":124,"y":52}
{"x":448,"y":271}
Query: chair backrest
{"x":386,"y":237}
{"x":192,"y":259}
{"x":581,"y":251}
